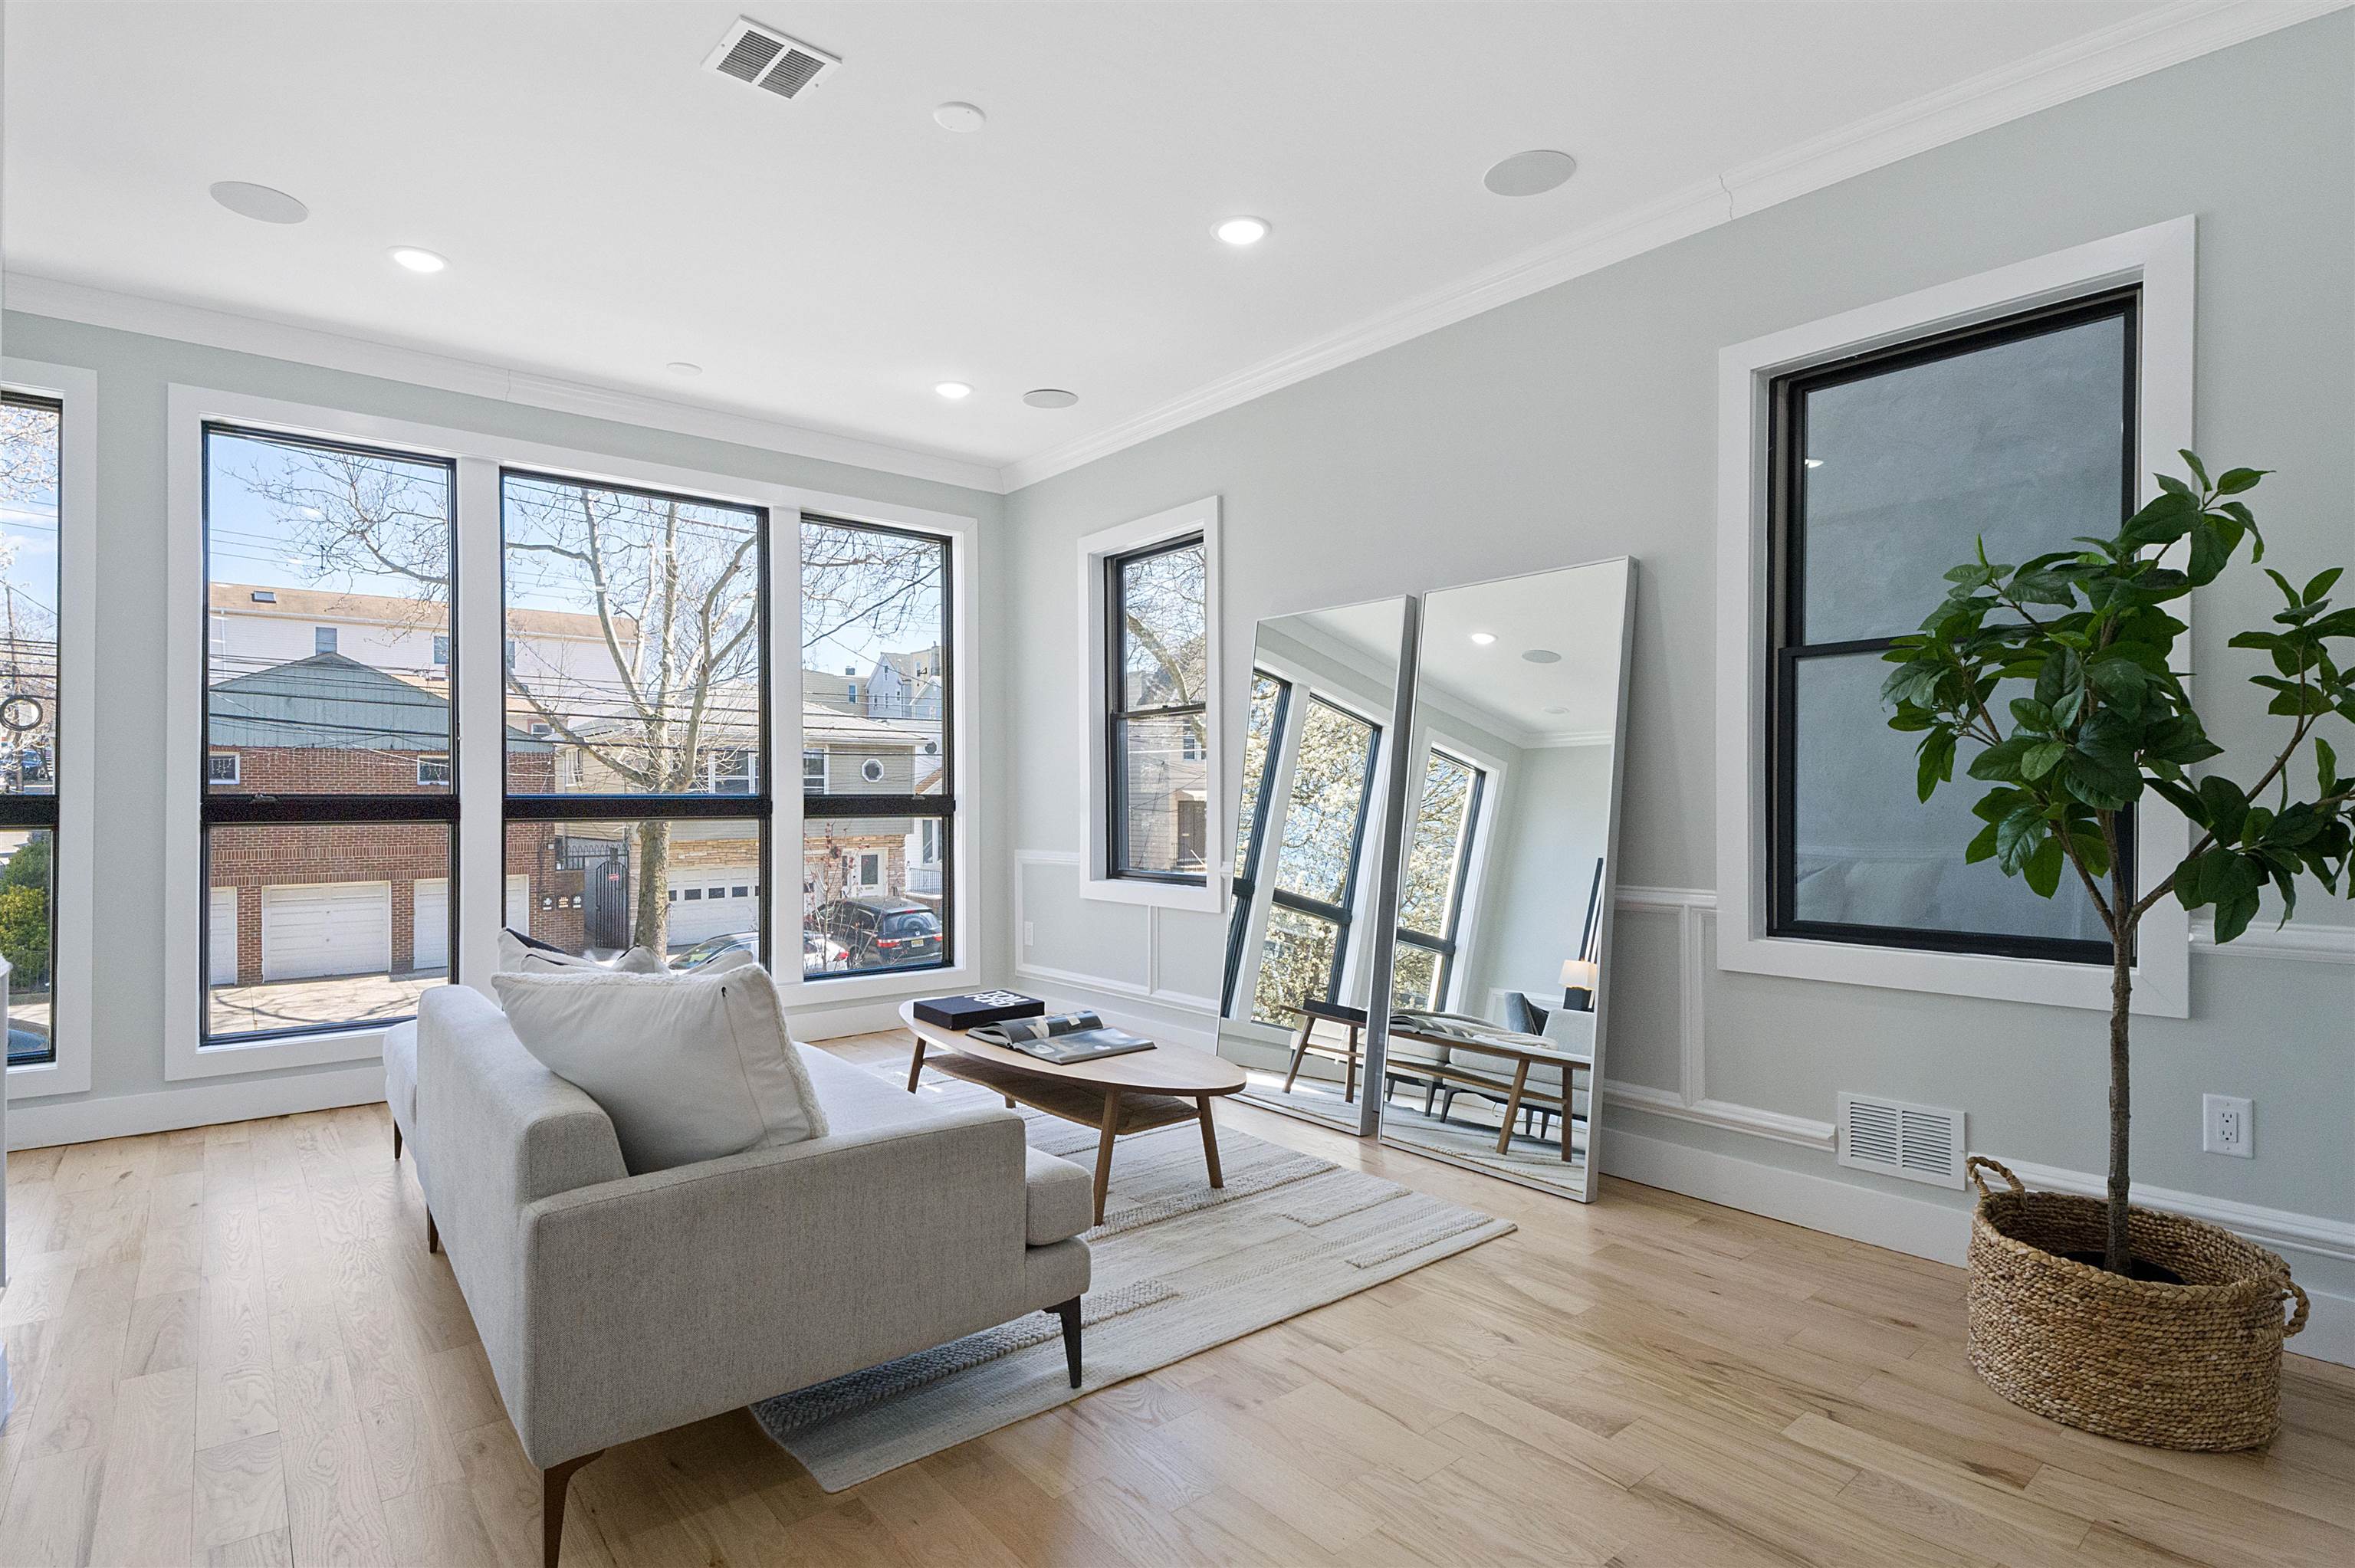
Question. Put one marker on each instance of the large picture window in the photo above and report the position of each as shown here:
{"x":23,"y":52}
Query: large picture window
{"x":327,"y":826}
{"x":878,"y":738}
{"x":637,"y":806}
{"x":1438,"y":867}
{"x":1312,"y":902}
{"x":31,"y":444}
{"x":1885,"y":470}
{"x":1157,"y":745}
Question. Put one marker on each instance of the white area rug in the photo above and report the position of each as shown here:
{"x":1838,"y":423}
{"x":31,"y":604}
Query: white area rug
{"x":1178,"y":1267}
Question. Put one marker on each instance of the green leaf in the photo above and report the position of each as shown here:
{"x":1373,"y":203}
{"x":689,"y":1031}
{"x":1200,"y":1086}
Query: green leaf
{"x":2017,"y":836}
{"x":1981,"y":847}
{"x":2000,"y":763}
{"x":1938,"y":762}
{"x":2234,"y":914}
{"x":2320,"y":584}
{"x":2103,"y":785}
{"x":2192,"y":463}
{"x":2234,"y":481}
{"x":2043,"y":868}
{"x":2326,"y":767}
{"x":2042,"y":758}
{"x":2227,"y":808}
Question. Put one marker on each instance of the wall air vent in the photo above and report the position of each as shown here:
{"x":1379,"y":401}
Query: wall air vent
{"x":1921,"y":1143}
{"x":764,"y":58}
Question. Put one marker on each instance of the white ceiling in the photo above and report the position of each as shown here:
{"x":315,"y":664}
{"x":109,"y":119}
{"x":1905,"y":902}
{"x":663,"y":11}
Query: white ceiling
{"x":608,"y":206}
{"x":1578,"y":613}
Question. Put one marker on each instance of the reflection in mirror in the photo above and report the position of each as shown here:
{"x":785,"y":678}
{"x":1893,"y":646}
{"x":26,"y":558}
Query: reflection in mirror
{"x":1300,"y":940}
{"x":1495,"y":1032}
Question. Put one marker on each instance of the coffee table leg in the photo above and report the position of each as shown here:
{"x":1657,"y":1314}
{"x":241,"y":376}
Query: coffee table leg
{"x":916,"y":1067}
{"x":1513,"y":1105}
{"x":1104,"y":1149}
{"x":1209,"y":1141}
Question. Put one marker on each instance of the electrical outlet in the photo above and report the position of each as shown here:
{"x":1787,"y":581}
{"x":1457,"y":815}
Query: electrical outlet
{"x":1027,"y":939}
{"x":2228,"y":1126}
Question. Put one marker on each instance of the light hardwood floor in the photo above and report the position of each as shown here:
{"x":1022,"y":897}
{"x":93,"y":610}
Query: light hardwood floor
{"x":232,"y":1347}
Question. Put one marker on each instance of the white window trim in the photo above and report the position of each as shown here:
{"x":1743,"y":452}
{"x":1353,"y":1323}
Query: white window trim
{"x":1097,"y":879}
{"x":236,"y":767}
{"x":1435,"y":735}
{"x":478,"y":644}
{"x":72,"y":895}
{"x":441,"y":758}
{"x":2160,"y":258}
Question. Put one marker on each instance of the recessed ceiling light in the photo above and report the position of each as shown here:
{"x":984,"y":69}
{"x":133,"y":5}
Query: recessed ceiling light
{"x":684,"y":367}
{"x":1243,"y":230}
{"x":1529,"y":174}
{"x":1483,"y":638}
{"x":417,"y":261}
{"x":1542,"y":656}
{"x":259,"y":203}
{"x":959,"y":117}
{"x":1050,"y":398}
{"x":953,"y":390}
{"x":1814,"y":463}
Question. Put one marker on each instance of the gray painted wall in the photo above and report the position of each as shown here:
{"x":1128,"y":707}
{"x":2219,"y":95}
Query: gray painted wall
{"x":134,"y":372}
{"x":1582,"y":422}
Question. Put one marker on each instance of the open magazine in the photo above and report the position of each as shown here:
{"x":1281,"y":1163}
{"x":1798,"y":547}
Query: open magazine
{"x":1061,"y":1038}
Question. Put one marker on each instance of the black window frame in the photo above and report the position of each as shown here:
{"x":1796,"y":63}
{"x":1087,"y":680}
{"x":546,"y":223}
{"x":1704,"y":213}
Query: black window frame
{"x":631,"y":807}
{"x":1244,"y":884}
{"x":941,"y":807}
{"x":1446,"y":944}
{"x":1786,"y":477}
{"x":261,"y":810}
{"x":37,"y":811}
{"x":1117,"y":713}
{"x":1342,"y":915}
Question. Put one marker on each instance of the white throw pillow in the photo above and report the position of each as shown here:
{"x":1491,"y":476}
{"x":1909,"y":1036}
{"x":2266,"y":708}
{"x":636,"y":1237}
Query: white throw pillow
{"x":518,"y":956}
{"x":689,"y":1068}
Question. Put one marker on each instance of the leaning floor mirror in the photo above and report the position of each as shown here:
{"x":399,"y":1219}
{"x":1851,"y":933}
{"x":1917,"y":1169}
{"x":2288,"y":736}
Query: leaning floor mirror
{"x":1506,"y":874}
{"x":1320,"y":740}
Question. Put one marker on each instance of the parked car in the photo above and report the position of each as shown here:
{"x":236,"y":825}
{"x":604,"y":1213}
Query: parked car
{"x":881,"y":933}
{"x":710,"y":948}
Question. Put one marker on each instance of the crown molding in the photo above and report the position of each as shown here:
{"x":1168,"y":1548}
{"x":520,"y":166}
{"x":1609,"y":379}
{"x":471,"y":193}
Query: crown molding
{"x":2084,"y":65}
{"x":243,"y":333}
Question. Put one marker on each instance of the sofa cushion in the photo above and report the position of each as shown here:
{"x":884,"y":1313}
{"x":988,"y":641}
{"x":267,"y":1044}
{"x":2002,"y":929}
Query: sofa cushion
{"x":1061,"y":1198}
{"x":401,"y":1073}
{"x":688,"y":1067}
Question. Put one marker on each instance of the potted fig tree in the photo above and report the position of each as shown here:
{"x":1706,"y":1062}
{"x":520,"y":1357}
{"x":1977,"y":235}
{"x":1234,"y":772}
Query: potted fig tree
{"x":2056,"y":683}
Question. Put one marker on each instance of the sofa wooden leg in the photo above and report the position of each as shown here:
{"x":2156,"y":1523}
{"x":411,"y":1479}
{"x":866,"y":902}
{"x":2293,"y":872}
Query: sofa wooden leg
{"x":396,"y":1143}
{"x":1068,"y":1312}
{"x":553,"y":1484}
{"x":432,"y":1234}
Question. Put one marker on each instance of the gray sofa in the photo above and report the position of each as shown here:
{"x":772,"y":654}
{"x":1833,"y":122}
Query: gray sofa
{"x":613,"y":1306}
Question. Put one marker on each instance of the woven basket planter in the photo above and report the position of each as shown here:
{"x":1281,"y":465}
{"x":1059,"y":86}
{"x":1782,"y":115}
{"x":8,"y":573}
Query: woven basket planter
{"x":2196,"y":1365}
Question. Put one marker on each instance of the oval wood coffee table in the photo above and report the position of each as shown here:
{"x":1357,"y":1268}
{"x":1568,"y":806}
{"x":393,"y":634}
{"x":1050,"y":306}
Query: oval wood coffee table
{"x":1135,"y":1092}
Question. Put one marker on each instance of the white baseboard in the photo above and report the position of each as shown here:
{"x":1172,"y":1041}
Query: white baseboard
{"x":1901,"y":1223}
{"x":201,"y":1104}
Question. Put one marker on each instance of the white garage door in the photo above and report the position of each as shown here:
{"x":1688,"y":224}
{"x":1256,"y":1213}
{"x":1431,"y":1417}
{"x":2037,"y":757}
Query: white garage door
{"x":706,"y":902}
{"x":430,"y":937}
{"x":327,"y":929}
{"x":220,"y":937}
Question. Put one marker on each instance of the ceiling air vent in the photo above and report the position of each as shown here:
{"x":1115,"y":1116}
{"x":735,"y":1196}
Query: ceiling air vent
{"x":1921,"y":1143}
{"x":766,"y":59}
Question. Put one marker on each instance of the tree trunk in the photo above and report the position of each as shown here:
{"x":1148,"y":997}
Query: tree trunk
{"x":651,"y":926}
{"x":2116,"y":1253}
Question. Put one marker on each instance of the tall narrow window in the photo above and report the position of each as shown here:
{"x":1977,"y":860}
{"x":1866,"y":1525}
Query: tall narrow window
{"x":1270,"y":697}
{"x":636,"y":640}
{"x":878,"y":778}
{"x":326,"y":799}
{"x":30,"y":446}
{"x":1156,"y":703}
{"x":1315,"y":896}
{"x":1438,"y":866}
{"x":1887,"y":469}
